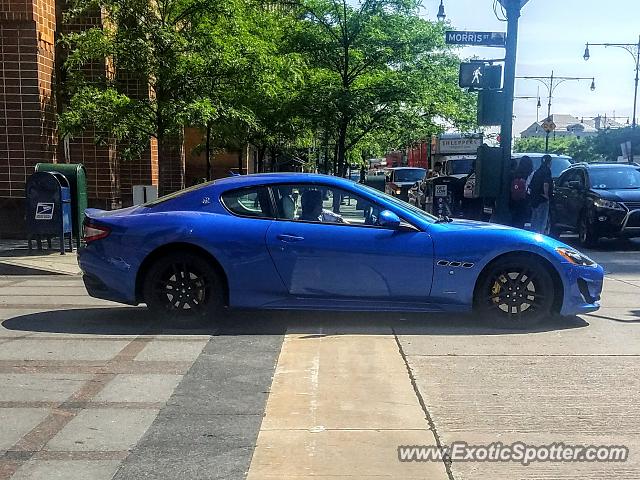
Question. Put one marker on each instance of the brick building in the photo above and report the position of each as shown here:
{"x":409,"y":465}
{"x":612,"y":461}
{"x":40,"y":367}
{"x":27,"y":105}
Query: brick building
{"x":30,"y":80}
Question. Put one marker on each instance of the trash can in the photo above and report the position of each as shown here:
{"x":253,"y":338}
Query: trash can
{"x":48,"y":201}
{"x":77,"y":177}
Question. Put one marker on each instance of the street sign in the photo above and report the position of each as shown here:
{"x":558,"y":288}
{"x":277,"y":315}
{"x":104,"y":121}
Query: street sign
{"x":481,"y":39}
{"x":548,"y":126}
{"x":480,"y":76}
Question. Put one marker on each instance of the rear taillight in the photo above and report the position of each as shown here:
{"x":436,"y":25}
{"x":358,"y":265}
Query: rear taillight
{"x":95,"y":232}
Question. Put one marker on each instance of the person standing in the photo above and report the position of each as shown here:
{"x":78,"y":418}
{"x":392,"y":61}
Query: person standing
{"x":519,"y":203}
{"x":540,"y":194}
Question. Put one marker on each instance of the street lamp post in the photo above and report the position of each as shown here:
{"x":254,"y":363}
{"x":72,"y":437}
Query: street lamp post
{"x":634,"y":50}
{"x":441,"y":15}
{"x":551,"y":83}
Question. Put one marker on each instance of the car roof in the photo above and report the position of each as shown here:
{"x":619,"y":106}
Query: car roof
{"x":405,"y":168}
{"x":278,"y":177}
{"x":603,"y":165}
{"x":537,"y":155}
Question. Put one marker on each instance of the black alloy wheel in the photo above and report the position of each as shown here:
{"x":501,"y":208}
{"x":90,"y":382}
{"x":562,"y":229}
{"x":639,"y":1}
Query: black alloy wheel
{"x":516,"y":292}
{"x":184,"y":290}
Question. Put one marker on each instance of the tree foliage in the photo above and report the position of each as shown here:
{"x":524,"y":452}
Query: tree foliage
{"x":373,"y":65}
{"x":340,"y":77}
{"x":603,"y":146}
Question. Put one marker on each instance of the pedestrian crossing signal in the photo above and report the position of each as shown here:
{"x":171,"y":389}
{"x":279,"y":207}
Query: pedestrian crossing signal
{"x":480,"y":76}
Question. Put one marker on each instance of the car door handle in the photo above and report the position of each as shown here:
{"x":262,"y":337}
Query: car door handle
{"x":289,"y":238}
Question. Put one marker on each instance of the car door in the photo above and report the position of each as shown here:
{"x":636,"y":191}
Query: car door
{"x":574,"y":201}
{"x":561,"y":199}
{"x":342,"y":254}
{"x":238,"y":240}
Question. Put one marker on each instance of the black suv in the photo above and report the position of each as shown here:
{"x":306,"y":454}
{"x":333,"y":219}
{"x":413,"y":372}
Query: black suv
{"x":598,"y":200}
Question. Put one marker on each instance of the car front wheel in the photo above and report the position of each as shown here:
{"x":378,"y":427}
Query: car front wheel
{"x":184,"y":290}
{"x":585,"y":233}
{"x":515,"y":292}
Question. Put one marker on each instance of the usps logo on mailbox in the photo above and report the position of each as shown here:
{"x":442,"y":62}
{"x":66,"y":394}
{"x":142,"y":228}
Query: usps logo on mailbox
{"x":441,"y":190}
{"x":44,"y":211}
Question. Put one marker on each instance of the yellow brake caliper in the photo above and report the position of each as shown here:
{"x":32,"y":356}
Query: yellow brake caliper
{"x":495,"y":291}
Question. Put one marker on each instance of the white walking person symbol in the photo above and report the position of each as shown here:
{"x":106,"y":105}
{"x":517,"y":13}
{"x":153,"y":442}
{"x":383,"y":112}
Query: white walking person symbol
{"x":477,"y":73}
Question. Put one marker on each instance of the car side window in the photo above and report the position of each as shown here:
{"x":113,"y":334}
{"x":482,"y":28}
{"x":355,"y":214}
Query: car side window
{"x":567,"y":177}
{"x":323,"y":204}
{"x":248,"y":202}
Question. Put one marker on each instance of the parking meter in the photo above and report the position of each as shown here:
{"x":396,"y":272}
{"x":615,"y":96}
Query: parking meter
{"x":442,"y":191}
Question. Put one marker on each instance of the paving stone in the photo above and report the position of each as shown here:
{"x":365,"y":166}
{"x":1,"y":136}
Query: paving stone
{"x":103,"y":430}
{"x":139,"y":388}
{"x":67,"y":470}
{"x":16,"y":422}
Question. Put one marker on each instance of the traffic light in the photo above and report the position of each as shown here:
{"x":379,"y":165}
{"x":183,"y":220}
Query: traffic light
{"x":488,"y":171}
{"x":478,"y":76}
{"x":490,"y":107}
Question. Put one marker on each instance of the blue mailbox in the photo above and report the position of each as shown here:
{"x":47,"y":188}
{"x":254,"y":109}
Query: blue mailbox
{"x":48,"y":201}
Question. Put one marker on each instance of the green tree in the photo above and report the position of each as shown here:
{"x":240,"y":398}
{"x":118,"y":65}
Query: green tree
{"x":607,"y":143}
{"x":372,"y":64}
{"x":182,"y":58}
{"x":580,"y":149}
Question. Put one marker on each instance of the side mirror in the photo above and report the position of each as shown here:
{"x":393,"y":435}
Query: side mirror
{"x":575,"y":184}
{"x":388,"y":219}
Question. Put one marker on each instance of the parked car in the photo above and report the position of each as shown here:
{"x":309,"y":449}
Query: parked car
{"x":280,"y":241}
{"x":559,"y":163}
{"x":598,"y":200}
{"x":400,"y":179}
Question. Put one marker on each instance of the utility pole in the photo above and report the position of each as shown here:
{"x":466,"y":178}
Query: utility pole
{"x":513,"y":8}
{"x":551,"y":83}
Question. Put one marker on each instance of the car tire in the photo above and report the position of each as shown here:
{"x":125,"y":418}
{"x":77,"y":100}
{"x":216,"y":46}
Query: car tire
{"x":515,"y":292}
{"x":184,"y":290}
{"x":586,"y":236}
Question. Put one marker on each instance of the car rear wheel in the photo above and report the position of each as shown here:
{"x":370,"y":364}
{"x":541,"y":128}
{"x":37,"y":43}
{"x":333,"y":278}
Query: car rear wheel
{"x":585,"y":233}
{"x":184,"y":290}
{"x":515,"y":292}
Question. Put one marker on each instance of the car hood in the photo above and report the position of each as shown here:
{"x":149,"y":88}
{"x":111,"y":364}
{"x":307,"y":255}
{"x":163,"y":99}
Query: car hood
{"x":404,"y":184}
{"x":622,"y":195}
{"x":477,"y":240}
{"x":463,"y":224}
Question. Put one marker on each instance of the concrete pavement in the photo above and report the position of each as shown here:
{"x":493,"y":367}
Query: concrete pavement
{"x":90,"y":389}
{"x":576,"y":382}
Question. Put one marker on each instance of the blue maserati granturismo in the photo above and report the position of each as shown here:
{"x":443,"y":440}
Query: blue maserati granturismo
{"x":309,"y":241}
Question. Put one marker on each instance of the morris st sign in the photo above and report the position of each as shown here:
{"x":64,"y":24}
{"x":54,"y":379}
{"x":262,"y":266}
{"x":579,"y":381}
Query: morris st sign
{"x":481,"y":39}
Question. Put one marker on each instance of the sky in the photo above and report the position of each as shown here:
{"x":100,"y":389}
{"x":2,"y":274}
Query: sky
{"x":552,"y":36}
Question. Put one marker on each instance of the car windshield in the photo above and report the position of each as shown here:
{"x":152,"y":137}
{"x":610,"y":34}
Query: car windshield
{"x":615,"y":178}
{"x":459,"y":167}
{"x":410,"y":175}
{"x":404,"y":205}
{"x":558,"y":165}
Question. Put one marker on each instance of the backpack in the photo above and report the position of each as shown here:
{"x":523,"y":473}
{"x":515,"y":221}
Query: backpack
{"x":518,"y":189}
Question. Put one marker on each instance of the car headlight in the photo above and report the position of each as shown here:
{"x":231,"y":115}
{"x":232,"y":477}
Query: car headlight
{"x":575,"y":257}
{"x":398,"y":192}
{"x":601,"y":203}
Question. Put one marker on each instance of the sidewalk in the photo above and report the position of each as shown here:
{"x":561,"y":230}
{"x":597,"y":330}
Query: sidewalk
{"x":16,"y":257}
